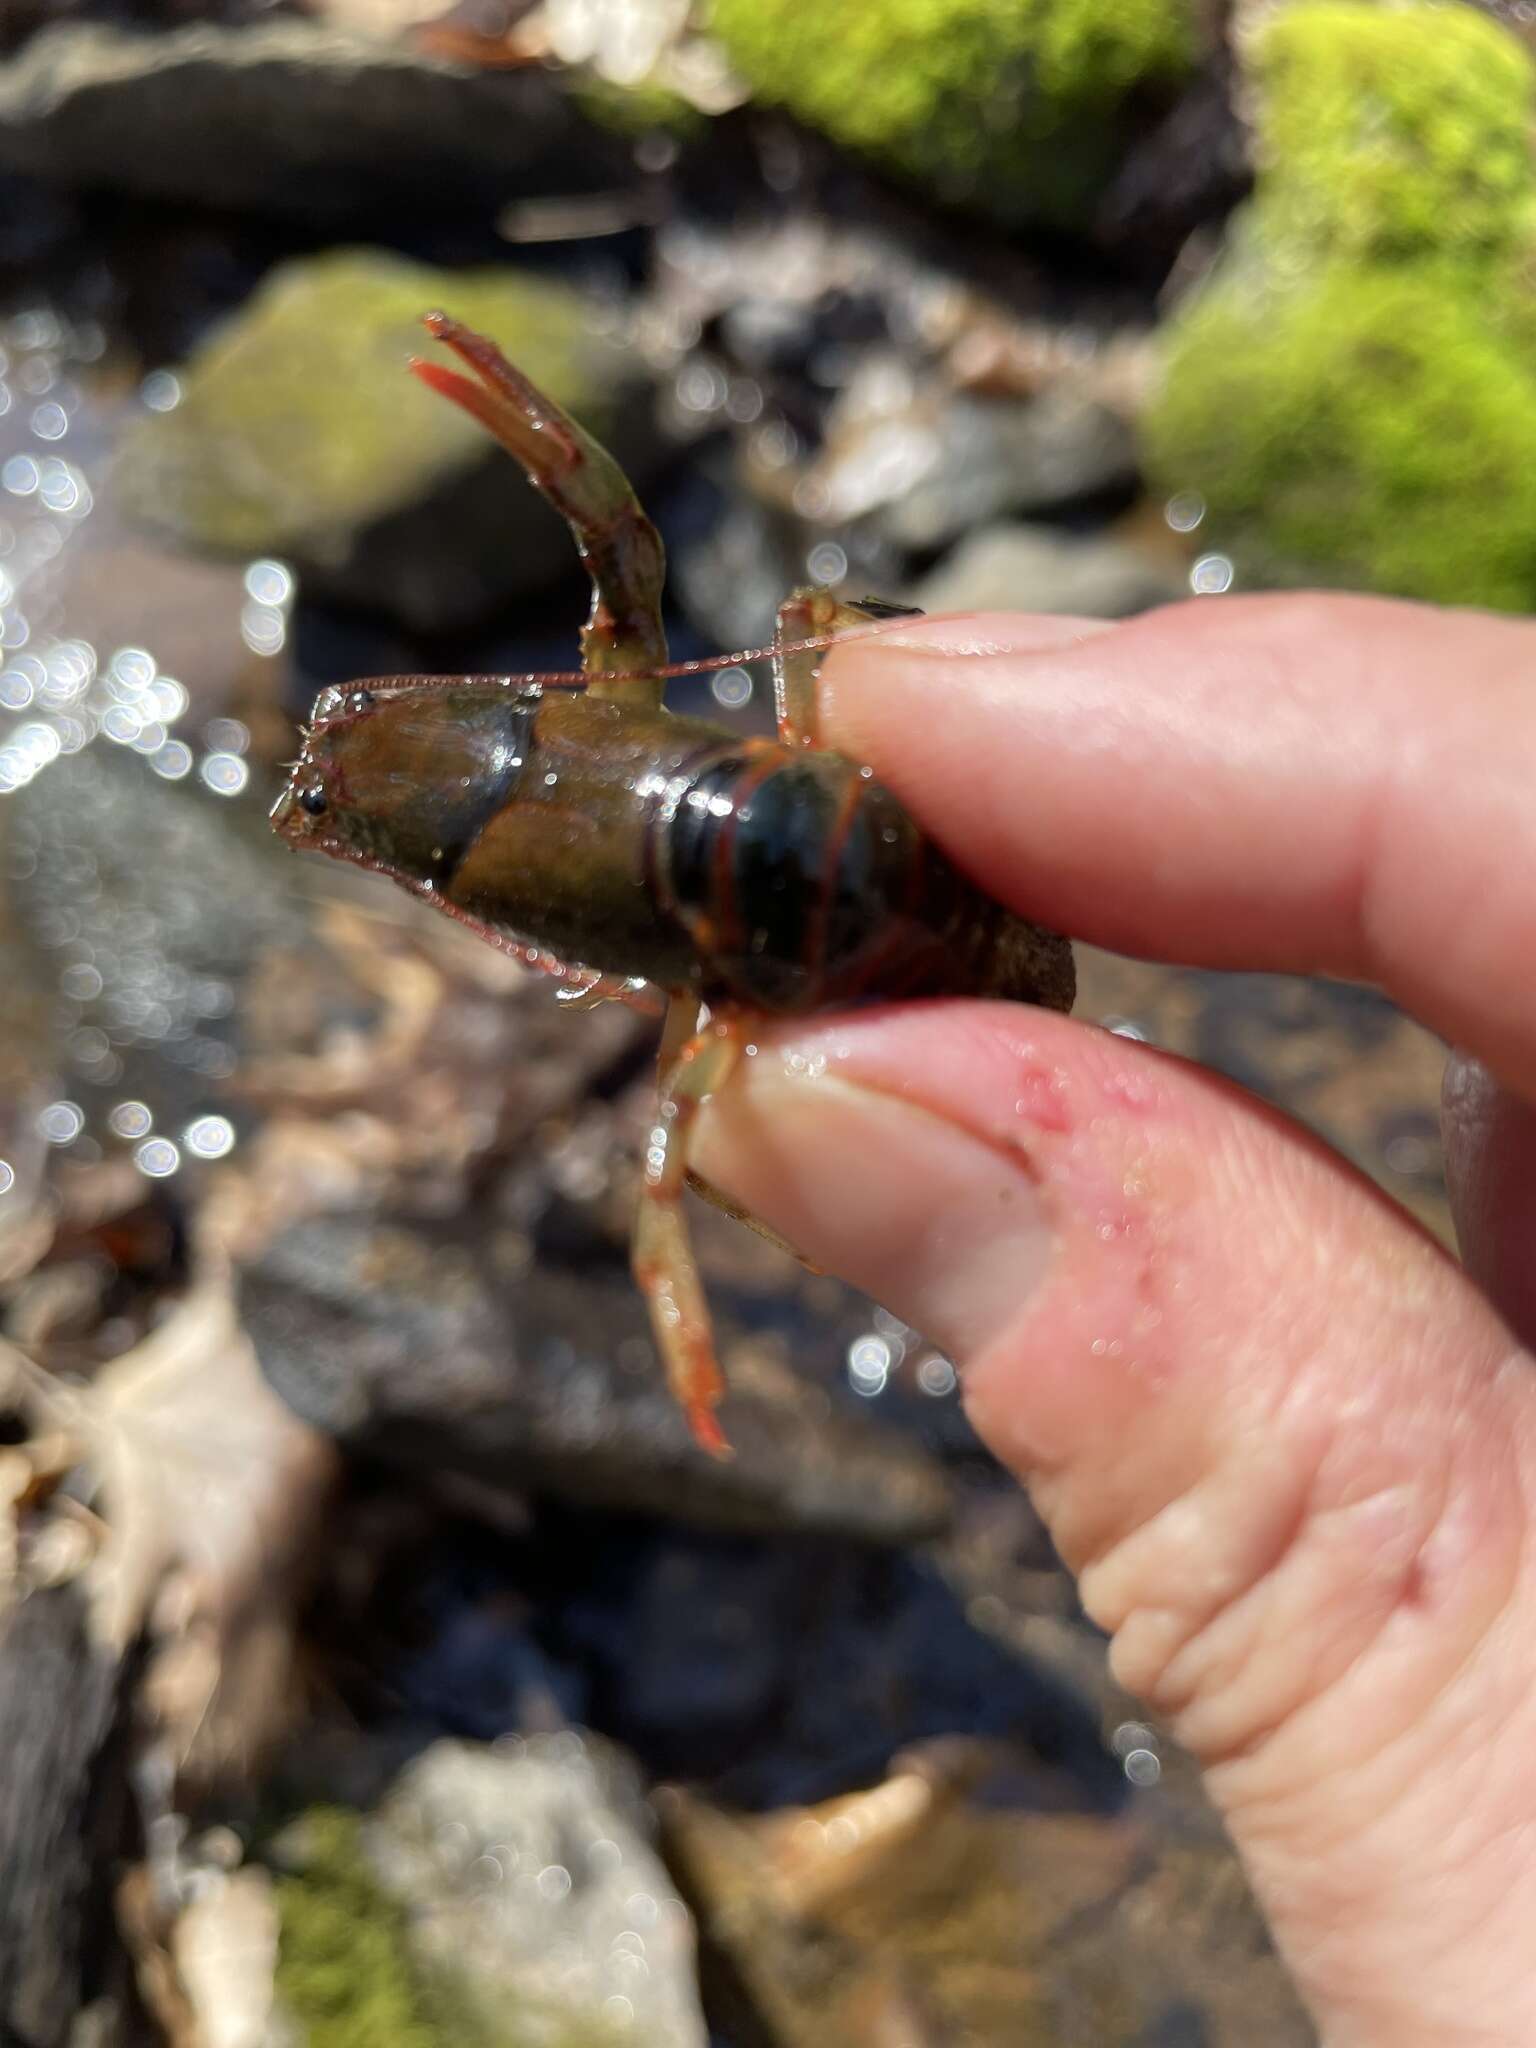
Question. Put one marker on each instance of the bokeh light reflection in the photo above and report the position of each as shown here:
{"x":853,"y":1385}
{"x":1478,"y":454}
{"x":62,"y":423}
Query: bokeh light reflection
{"x":61,"y":1122}
{"x":157,"y":1158}
{"x":224,"y":773}
{"x":130,"y":1119}
{"x":209,"y":1137}
{"x":1211,"y":576}
{"x":870,"y":1358}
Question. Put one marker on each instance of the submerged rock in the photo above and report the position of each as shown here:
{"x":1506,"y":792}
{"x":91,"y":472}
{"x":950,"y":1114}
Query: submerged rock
{"x":290,"y":117}
{"x":300,"y":434}
{"x":441,"y":1347}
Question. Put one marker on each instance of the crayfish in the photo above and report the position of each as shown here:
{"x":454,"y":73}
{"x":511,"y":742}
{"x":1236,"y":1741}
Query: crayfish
{"x":573,"y":820}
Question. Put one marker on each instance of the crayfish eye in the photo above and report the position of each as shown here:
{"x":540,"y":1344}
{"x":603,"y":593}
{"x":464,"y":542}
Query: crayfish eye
{"x":313,"y":800}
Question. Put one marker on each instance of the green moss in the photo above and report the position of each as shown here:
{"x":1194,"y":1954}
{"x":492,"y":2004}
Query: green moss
{"x":1009,"y":106}
{"x":348,"y":1976}
{"x":1388,"y":132}
{"x":1370,"y":429}
{"x":344,"y":1971}
{"x":299,"y":425}
{"x":646,"y":108}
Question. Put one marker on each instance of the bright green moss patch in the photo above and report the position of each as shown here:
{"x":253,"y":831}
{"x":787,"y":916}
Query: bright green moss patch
{"x":1372,"y":430}
{"x":1354,"y":393}
{"x":1389,"y":132}
{"x":344,"y":1971}
{"x":1013,"y":107}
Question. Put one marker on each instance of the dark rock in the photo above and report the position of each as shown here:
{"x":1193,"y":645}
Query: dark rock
{"x":66,"y":1819}
{"x":290,"y":116}
{"x":1186,"y":174}
{"x":440,"y":1347}
{"x":785,"y":1670}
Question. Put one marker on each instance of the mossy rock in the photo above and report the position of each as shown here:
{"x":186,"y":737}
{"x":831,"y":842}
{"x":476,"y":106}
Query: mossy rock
{"x":345,"y":1976}
{"x":300,"y":434}
{"x":1369,"y":429}
{"x":647,"y":107}
{"x":1013,"y":108}
{"x":348,"y":1975}
{"x":1392,"y":132}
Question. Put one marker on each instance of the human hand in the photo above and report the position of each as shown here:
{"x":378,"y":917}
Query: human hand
{"x":1287,"y":1444}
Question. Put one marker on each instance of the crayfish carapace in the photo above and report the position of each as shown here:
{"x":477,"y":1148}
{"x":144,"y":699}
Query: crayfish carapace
{"x":570,"y":824}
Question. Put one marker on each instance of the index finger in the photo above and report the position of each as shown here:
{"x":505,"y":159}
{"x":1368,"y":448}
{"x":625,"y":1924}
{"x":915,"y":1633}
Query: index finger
{"x":1310,"y":784}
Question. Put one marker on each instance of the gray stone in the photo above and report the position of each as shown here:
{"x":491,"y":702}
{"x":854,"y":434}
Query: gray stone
{"x":917,"y":463}
{"x":531,"y":1882}
{"x":991,"y":458}
{"x":289,"y":116}
{"x":1035,"y":569}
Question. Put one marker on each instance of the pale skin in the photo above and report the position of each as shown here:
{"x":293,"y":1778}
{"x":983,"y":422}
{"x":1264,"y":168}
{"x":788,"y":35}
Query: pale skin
{"x":1287,"y":1443}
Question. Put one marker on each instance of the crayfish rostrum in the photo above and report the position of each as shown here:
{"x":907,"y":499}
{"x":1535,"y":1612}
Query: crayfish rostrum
{"x":576,"y":822}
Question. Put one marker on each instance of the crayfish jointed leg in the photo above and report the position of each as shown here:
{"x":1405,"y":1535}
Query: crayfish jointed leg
{"x":694,"y":1062}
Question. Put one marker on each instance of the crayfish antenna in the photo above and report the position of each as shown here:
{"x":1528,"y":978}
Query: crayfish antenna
{"x":623,"y":643}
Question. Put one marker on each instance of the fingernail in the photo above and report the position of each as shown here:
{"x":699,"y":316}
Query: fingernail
{"x":939,"y":1226}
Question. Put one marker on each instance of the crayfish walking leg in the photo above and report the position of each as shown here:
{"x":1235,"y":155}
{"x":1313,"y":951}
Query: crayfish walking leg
{"x":693,"y":1064}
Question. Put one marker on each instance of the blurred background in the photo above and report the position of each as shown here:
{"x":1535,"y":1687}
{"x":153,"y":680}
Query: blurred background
{"x":379,"y":1661}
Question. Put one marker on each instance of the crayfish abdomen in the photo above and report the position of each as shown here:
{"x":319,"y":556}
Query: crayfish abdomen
{"x":652,"y":847}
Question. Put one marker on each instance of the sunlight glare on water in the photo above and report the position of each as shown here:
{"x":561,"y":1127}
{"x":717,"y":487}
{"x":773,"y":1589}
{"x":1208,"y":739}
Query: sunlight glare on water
{"x":870,"y":1359}
{"x":132,"y":1010}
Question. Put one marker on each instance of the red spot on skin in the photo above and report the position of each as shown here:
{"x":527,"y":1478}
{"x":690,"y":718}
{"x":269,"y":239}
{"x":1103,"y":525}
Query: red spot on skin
{"x":1041,"y":1096}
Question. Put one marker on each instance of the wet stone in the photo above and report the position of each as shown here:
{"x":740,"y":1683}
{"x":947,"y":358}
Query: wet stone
{"x":1037,"y":569}
{"x":147,"y":905}
{"x":291,"y":117}
{"x":441,"y":1347}
{"x":786,"y":1669}
{"x":937,"y":467}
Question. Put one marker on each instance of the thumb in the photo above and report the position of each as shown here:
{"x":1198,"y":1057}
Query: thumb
{"x":1281,"y":1438}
